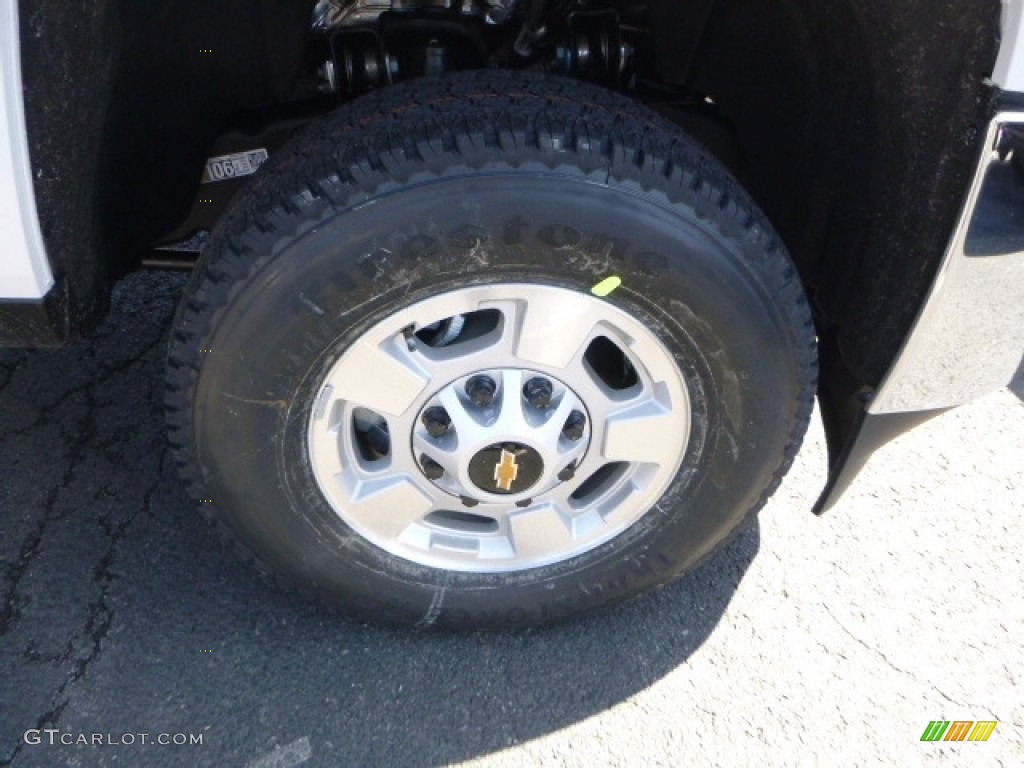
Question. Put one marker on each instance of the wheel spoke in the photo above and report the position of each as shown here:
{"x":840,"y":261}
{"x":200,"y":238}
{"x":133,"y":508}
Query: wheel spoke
{"x":539,"y":529}
{"x":462,"y":423}
{"x":382,"y":377}
{"x":390,"y":504}
{"x":553,"y":333}
{"x":640,"y":432}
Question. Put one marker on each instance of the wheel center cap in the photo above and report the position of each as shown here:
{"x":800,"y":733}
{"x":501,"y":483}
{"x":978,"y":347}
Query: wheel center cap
{"x":506,"y":468}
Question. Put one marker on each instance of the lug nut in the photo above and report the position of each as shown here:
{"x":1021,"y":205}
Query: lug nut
{"x":437,"y":421}
{"x":537,"y":392}
{"x":574,"y":426}
{"x":481,"y":390}
{"x":524,"y":503}
{"x":468,"y":501}
{"x":431,"y":468}
{"x":567,"y":474}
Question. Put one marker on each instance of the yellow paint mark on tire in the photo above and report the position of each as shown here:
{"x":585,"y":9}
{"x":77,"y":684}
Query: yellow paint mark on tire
{"x":606,"y":286}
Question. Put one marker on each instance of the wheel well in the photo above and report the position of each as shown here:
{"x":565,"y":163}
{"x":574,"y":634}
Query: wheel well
{"x":857,"y":130}
{"x":122,"y":100}
{"x":853,"y":125}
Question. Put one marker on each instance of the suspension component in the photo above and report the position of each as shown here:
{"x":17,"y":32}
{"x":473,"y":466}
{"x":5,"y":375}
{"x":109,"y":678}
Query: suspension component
{"x":360,"y":63}
{"x":375,"y":43}
{"x":400,"y":45}
{"x":595,"y":49}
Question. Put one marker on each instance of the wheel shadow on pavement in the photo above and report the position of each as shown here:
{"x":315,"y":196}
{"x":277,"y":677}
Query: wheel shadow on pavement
{"x":124,"y":614}
{"x":1017,"y":383}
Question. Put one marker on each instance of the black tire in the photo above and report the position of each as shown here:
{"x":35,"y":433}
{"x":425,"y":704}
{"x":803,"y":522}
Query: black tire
{"x":360,"y":217}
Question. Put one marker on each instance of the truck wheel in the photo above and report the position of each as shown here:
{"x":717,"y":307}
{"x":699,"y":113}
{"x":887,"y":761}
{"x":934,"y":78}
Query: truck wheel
{"x":489,"y":350}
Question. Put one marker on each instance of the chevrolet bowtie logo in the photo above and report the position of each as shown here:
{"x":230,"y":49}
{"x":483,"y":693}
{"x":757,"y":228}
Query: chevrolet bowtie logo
{"x":506,"y":471}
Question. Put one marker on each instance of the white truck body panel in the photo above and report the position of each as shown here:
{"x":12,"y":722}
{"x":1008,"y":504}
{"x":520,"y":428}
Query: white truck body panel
{"x":1009,"y":71}
{"x":24,"y":270}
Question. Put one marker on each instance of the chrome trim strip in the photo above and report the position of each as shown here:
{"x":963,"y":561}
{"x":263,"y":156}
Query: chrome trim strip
{"x":968,"y":339}
{"x":24,"y":270}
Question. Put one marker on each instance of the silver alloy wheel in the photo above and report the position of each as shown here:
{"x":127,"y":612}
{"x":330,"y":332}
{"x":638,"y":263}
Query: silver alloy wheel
{"x":499,"y":427}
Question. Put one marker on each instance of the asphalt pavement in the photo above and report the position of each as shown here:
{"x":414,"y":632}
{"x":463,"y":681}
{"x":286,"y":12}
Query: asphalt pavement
{"x":808,"y":641}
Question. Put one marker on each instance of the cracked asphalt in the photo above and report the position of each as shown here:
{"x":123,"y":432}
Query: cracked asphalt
{"x":808,"y":641}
